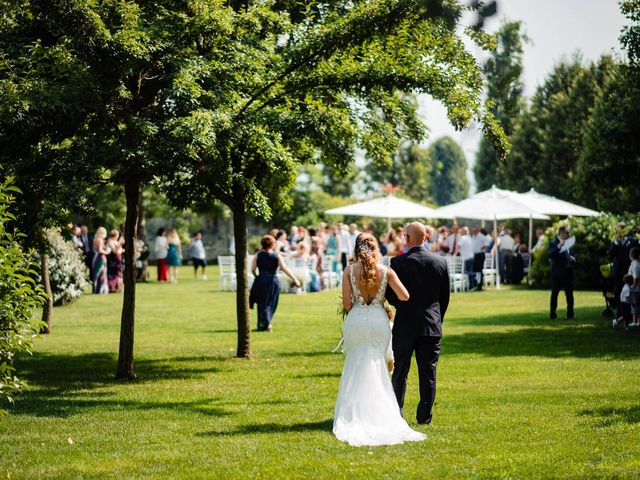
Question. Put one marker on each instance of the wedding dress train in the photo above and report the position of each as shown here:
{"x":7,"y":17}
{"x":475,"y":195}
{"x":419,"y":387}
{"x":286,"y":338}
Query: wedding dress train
{"x":366,"y":411}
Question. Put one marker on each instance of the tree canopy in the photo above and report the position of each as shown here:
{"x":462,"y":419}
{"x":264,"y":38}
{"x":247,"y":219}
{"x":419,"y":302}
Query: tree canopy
{"x":224,"y":100}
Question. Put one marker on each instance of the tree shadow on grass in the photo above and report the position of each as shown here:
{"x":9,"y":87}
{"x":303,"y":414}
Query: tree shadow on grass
{"x":253,"y":428}
{"x":606,"y":417}
{"x":64,"y":385}
{"x":486,"y":319}
{"x":547,"y":338}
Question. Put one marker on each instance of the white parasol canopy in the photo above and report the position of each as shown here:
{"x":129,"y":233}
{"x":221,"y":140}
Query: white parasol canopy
{"x":554,"y":206}
{"x":492,"y":204}
{"x":385,"y":207}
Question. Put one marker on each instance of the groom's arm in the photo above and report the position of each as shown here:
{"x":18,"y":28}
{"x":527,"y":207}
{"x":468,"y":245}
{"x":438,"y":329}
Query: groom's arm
{"x":390,"y":295}
{"x":445,"y":292}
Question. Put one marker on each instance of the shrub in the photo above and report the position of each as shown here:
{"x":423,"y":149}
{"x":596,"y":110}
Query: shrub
{"x":19,"y":296}
{"x":67,"y":271}
{"x":593,"y":238}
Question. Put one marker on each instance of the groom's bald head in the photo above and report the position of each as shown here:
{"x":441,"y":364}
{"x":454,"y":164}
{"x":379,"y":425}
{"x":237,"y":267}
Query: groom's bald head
{"x":416,"y":234}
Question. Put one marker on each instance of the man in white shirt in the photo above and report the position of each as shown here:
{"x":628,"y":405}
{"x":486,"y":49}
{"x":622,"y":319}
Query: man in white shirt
{"x":506,"y":253}
{"x":198,"y":255}
{"x":452,"y":242}
{"x":465,"y":247}
{"x":478,"y":240}
{"x":541,"y":238}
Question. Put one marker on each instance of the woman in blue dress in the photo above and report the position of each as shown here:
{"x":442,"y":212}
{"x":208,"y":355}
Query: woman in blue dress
{"x":174,"y":254}
{"x":265,"y":290}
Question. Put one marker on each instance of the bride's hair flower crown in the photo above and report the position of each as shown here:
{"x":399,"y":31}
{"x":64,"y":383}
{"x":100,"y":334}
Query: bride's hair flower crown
{"x":366,"y":248}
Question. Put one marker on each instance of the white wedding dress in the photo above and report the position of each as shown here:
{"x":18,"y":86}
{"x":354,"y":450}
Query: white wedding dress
{"x":366,"y":411}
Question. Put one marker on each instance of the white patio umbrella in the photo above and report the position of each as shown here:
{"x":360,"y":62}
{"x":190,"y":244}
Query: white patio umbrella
{"x":385,"y":207}
{"x":493,"y":204}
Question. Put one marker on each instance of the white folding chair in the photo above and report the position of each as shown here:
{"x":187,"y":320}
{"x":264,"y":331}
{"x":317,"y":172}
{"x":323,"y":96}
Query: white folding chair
{"x":329,"y":277}
{"x":489,"y":271}
{"x":227,"y":275}
{"x":458,"y":281}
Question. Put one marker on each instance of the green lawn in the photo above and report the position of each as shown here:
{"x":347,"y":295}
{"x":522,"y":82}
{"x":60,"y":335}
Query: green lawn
{"x":519,"y":396}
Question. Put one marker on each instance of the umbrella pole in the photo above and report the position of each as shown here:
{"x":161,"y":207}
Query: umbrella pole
{"x":530,"y":242}
{"x":496,"y":253}
{"x":388,"y":223}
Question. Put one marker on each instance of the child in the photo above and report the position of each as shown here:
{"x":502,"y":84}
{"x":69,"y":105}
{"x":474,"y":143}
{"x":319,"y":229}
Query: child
{"x":634,"y":271}
{"x":198,"y":256}
{"x":625,"y":304}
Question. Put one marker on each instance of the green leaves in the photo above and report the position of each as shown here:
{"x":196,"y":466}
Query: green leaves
{"x":19,"y":296}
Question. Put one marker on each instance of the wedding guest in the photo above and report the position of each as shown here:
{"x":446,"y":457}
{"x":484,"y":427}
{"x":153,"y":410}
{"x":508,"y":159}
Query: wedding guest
{"x":77,"y":238}
{"x":634,"y":271}
{"x":315,"y":265}
{"x":619,"y":251}
{"x":562,"y":262}
{"x":506,"y":254}
{"x":353,"y":234}
{"x":293,"y":236}
{"x":332,"y":248}
{"x":624,"y":305}
{"x":393,"y":245}
{"x":322,"y":233}
{"x":99,"y":265}
{"x":140,"y":257}
{"x":343,"y":244}
{"x":161,"y":249}
{"x":517,"y":241}
{"x":174,"y":254}
{"x":465,"y":248}
{"x":114,"y":261}
{"x":452,"y":241}
{"x":198,"y":255}
{"x":87,"y":249}
{"x":540,"y":242}
{"x":282,"y":245}
{"x":265,"y":290}
{"x":382,"y":241}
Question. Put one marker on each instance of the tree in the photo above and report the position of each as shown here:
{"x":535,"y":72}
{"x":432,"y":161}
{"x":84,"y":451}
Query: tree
{"x":224,"y":100}
{"x":449,"y":181}
{"x":611,"y":145}
{"x":548,"y":137}
{"x":410,"y":170}
{"x":19,"y":296}
{"x":504,"y":89}
{"x":43,"y":99}
{"x":295,"y":84}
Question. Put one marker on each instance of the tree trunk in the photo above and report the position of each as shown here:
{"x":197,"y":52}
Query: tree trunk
{"x":47,"y":308}
{"x":242,"y":291}
{"x":125,"y":354}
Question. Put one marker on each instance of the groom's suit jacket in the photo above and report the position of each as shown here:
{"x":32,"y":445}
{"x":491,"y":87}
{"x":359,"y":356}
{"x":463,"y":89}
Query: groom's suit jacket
{"x":426,"y":277}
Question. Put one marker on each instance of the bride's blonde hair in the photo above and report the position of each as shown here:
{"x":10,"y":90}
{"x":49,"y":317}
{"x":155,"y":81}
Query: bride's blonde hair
{"x":368,"y":253}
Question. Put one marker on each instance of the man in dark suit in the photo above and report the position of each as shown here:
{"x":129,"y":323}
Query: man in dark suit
{"x":562,"y":261}
{"x":418,"y":322}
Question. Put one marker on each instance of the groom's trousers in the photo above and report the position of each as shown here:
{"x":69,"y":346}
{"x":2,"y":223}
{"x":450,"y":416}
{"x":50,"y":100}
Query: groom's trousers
{"x":427,"y":352}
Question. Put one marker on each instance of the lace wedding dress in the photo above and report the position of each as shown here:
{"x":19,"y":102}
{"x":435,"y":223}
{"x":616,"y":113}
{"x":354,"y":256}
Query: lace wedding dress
{"x":366,"y":411}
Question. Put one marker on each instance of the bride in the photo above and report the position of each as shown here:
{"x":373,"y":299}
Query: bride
{"x":366,"y":411}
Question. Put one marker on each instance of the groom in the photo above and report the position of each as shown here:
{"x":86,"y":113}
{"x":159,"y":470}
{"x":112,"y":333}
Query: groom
{"x":418,"y":323}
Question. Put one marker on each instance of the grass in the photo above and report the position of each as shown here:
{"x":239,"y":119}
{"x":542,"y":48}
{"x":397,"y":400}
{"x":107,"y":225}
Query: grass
{"x":519,"y":396}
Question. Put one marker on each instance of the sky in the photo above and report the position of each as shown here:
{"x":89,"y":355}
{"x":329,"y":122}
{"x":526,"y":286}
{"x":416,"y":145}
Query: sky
{"x":556,"y":30}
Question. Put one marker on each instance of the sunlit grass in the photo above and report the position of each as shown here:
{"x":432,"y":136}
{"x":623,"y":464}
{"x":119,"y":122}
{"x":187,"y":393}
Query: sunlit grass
{"x":519,"y":396}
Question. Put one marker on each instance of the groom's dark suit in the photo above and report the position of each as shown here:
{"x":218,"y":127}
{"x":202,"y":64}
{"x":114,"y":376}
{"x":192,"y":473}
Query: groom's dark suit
{"x":418,"y":323}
